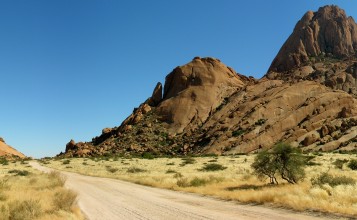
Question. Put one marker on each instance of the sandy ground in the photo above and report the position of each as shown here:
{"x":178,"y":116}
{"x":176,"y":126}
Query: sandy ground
{"x":102,"y":198}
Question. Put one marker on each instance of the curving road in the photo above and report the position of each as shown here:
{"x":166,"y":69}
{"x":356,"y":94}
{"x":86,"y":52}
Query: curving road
{"x":102,"y":198}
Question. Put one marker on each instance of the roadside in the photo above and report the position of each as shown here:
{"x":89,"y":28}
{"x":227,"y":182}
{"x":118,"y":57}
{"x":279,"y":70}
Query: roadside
{"x":103,"y":198}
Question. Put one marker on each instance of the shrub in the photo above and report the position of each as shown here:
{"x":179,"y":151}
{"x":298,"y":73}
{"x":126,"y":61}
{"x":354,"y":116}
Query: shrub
{"x":238,"y":132}
{"x":64,"y":199}
{"x":57,"y":179}
{"x":170,"y":171}
{"x":147,"y":155}
{"x":112,"y":169}
{"x":4,"y":161}
{"x":24,"y":210}
{"x":198,"y":182}
{"x":187,"y":160}
{"x":135,"y":170}
{"x":260,"y":121}
{"x":213,"y":167}
{"x":66,"y":162}
{"x":339,"y":163}
{"x":331,"y":180}
{"x":183,"y":182}
{"x":19,"y":172}
{"x":352,"y":164}
{"x":283,"y":159}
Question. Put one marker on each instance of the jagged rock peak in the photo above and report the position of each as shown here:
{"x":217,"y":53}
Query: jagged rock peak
{"x":2,"y":140}
{"x":156,"y":96}
{"x":327,"y":32}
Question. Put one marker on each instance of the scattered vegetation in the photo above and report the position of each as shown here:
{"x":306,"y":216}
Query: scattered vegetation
{"x":27,"y":194}
{"x":333,"y":192}
{"x":331,"y":180}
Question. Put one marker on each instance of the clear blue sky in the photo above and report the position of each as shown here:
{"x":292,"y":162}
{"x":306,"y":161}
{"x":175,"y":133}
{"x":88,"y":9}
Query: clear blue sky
{"x":72,"y":67}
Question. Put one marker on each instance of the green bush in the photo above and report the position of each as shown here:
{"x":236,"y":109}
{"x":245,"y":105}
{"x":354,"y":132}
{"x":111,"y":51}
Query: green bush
{"x":19,"y":172}
{"x":198,"y":182}
{"x":4,"y":161}
{"x":331,"y":180}
{"x":112,"y":169}
{"x":187,"y":160}
{"x":171,"y":171}
{"x":147,"y":155}
{"x":238,"y":132}
{"x":213,"y":167}
{"x":66,"y":162}
{"x":285,"y":160}
{"x":339,"y":163}
{"x":352,"y":164}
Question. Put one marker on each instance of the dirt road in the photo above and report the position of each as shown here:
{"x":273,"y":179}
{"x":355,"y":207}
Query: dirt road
{"x":102,"y":198}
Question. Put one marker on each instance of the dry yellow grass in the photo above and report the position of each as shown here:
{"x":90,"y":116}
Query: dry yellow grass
{"x":34,"y":195}
{"x":236,"y":182}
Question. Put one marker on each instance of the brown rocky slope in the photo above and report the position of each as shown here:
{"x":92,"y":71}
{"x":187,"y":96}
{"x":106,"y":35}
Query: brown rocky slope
{"x":8,"y":151}
{"x":207,"y":107}
{"x":322,"y":48}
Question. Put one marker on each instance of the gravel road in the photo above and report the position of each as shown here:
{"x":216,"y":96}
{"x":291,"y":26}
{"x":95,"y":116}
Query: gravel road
{"x":103,"y":198}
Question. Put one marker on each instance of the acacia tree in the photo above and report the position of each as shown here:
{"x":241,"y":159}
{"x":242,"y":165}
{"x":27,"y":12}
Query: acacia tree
{"x":283,"y":159}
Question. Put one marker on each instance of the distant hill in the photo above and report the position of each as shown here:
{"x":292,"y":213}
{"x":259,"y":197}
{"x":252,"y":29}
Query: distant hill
{"x":8,"y":151}
{"x":307,"y":99}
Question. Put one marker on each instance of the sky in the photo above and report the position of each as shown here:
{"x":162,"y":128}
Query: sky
{"x":69,"y":68}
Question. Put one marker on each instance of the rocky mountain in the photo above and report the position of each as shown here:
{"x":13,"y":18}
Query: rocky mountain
{"x":8,"y":151}
{"x":322,"y":48}
{"x":307,"y":99}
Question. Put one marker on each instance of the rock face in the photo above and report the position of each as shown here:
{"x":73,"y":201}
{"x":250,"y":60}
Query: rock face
{"x":325,"y":32}
{"x":218,"y":111}
{"x":8,"y":151}
{"x":193,"y":91}
{"x":322,"y":48}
